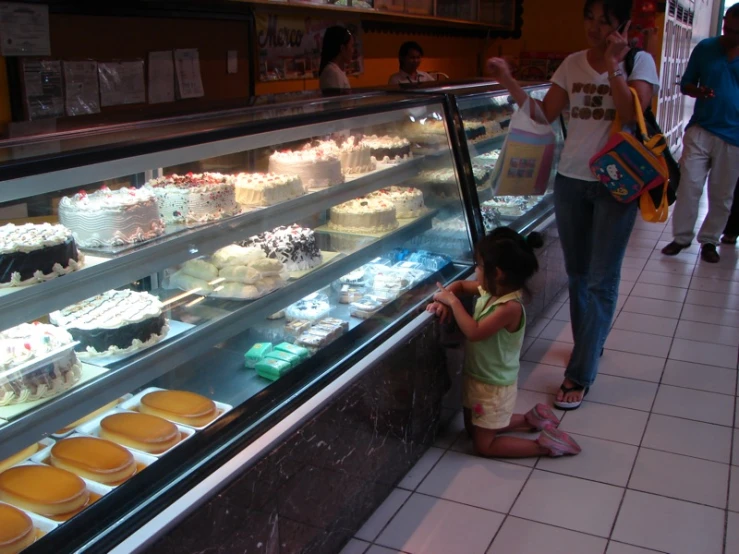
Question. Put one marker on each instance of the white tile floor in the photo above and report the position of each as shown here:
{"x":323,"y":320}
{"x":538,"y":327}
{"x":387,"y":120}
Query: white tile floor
{"x":658,"y":433}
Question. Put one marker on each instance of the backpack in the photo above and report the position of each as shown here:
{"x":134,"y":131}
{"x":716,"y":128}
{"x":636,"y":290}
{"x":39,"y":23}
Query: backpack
{"x":653,"y":129}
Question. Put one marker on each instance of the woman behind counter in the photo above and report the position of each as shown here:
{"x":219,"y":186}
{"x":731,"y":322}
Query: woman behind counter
{"x":337,"y":51}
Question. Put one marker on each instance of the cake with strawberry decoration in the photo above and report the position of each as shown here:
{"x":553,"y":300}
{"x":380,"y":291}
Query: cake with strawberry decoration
{"x":194,"y":197}
{"x":37,"y":361}
{"x":108,"y":217}
{"x":318,"y":167}
{"x":408,"y":201}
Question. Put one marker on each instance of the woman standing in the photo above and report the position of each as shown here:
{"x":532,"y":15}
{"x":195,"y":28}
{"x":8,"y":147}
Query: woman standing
{"x":594,"y":228}
{"x":337,"y":51}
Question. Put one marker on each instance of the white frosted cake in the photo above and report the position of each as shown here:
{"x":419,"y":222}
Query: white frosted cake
{"x":408,"y":201}
{"x":111,"y":217}
{"x":318,"y":168}
{"x":364,"y":215}
{"x":355,"y":156}
{"x":195,"y":197}
{"x":388,"y":149}
{"x":266,"y":189}
{"x":294,"y":246}
{"x":20,"y":347}
{"x":115,"y":322}
{"x":33,"y":253}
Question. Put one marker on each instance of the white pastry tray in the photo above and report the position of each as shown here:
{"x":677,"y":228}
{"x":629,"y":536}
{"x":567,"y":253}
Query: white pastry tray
{"x":59,"y":436}
{"x":43,"y":526}
{"x":88,"y":373}
{"x":92,"y":429}
{"x":175,"y":328}
{"x":42,"y":457}
{"x":132,"y":405}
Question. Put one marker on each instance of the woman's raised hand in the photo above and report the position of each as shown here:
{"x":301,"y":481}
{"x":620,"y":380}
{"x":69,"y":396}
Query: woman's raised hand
{"x":498,"y":69}
{"x":618,"y":45}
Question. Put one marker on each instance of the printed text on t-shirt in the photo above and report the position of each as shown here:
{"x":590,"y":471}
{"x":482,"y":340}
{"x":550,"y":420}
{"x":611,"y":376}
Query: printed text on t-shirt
{"x":592,"y":102}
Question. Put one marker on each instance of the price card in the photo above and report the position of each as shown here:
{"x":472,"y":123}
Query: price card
{"x":24,"y":29}
{"x":187,"y":69}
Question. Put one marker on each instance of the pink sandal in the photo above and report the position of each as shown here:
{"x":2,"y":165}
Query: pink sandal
{"x":558,"y":443}
{"x":542,"y":417}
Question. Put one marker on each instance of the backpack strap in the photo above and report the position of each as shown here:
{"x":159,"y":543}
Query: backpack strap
{"x":630,"y":60}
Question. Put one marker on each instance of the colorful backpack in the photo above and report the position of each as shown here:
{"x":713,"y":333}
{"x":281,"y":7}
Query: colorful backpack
{"x":630,"y":165}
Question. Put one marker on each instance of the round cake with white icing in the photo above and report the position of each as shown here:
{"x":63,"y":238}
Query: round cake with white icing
{"x":388,"y":149}
{"x":408,"y":201}
{"x":364,"y":215}
{"x":293,"y":246}
{"x":195,"y":197}
{"x":318,"y":168}
{"x":266,"y":189}
{"x":111,"y":217}
{"x":37,"y":361}
{"x":115,"y":322}
{"x":33,"y":253}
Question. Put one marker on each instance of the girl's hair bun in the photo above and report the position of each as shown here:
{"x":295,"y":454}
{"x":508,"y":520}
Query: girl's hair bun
{"x":535,"y":240}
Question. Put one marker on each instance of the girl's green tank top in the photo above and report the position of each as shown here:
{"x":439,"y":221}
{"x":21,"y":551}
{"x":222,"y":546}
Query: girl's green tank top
{"x":496,"y":359}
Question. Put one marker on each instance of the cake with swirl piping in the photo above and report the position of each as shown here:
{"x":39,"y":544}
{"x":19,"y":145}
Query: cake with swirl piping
{"x":33,"y":253}
{"x":21,"y":379}
{"x":115,"y":322}
{"x":318,"y":167}
{"x":194,"y":197}
{"x":111,"y":217}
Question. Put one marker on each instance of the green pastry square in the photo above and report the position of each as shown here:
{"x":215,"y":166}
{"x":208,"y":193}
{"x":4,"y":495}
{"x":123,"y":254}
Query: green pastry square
{"x":256,"y":353}
{"x":302,"y":353}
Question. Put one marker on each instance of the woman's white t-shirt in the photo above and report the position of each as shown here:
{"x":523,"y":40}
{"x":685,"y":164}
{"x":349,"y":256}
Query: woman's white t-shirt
{"x":332,"y":77}
{"x":592,"y":109}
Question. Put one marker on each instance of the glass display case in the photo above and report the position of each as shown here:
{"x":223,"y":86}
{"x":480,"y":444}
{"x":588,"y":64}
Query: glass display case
{"x":484,"y":113}
{"x":168,"y":290}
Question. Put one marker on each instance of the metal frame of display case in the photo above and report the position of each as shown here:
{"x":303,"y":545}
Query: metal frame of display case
{"x":542,"y":217}
{"x":117,"y":514}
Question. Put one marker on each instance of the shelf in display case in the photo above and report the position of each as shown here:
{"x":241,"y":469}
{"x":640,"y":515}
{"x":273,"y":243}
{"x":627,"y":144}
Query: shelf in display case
{"x":233,"y":318}
{"x":31,"y":302}
{"x":486,"y":146}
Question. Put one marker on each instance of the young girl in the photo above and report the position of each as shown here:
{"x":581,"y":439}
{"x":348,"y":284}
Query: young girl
{"x":505,"y":261}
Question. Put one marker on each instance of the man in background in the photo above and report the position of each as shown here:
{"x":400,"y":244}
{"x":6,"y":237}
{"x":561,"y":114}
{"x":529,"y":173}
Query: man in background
{"x":410,"y":56}
{"x":711,"y":143}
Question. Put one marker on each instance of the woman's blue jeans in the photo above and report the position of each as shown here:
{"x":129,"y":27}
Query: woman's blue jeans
{"x":594,"y":230}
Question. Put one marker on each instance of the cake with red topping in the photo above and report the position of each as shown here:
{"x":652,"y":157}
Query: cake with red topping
{"x":195,"y":197}
{"x":364,"y":215}
{"x":318,"y":167}
{"x":408,"y":201}
{"x":111,"y":217}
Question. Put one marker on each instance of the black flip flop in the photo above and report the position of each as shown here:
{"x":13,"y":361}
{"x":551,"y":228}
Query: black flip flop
{"x":569,"y":406}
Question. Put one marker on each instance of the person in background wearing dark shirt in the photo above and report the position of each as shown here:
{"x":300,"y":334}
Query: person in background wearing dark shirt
{"x":711,"y":143}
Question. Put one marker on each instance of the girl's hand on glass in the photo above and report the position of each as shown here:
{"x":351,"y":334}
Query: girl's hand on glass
{"x":498,"y":69}
{"x":441,"y":311}
{"x":444,"y":296}
{"x":618,"y":45}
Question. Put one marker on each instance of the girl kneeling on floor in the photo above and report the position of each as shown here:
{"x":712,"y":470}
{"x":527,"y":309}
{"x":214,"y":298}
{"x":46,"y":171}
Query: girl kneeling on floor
{"x":505,"y":261}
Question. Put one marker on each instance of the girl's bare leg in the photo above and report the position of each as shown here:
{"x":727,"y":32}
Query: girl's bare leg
{"x":489,"y":444}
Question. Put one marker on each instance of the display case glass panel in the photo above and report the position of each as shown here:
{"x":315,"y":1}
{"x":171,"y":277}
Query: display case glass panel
{"x":165,"y":285}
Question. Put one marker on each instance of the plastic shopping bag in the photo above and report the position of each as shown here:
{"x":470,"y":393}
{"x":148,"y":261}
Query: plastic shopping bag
{"x":525,"y":164}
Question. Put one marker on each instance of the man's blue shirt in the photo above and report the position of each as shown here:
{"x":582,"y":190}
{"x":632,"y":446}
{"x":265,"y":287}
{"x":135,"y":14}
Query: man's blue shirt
{"x":710,"y":67}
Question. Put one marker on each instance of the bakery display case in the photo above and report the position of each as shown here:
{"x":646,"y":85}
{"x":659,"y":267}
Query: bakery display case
{"x":522,"y":200}
{"x":169,"y":289}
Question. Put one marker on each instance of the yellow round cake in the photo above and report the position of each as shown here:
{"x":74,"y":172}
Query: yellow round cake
{"x":143,"y":432}
{"x":16,"y":530}
{"x":43,"y":490}
{"x":180,"y":406}
{"x":98,"y":460}
{"x":17,"y":458}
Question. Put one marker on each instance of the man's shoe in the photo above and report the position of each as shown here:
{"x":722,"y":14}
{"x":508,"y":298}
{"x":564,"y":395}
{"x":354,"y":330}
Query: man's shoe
{"x":709,"y":254}
{"x":674,"y":248}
